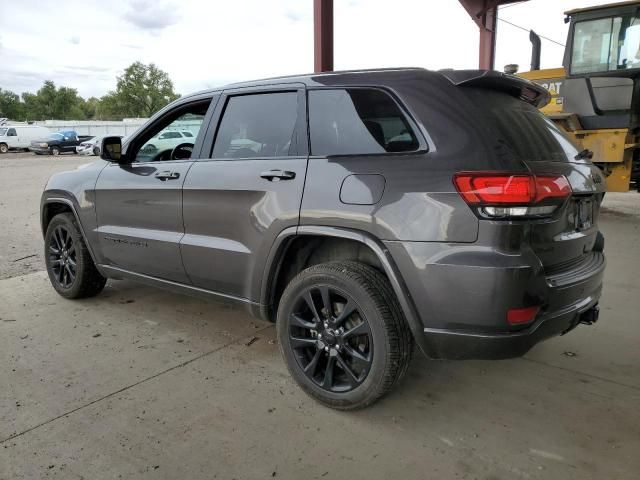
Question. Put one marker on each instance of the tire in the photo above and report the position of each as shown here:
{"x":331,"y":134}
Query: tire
{"x":377,"y":354}
{"x":4,"y":148}
{"x":54,"y":151}
{"x":79,"y":277}
{"x":96,"y":151}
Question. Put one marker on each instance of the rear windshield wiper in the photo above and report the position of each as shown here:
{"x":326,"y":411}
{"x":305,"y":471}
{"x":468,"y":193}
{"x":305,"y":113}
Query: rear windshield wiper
{"x":586,"y":153}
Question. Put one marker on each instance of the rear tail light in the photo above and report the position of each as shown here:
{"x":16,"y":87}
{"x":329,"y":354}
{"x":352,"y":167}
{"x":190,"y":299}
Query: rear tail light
{"x":518,"y":316}
{"x":512,"y":195}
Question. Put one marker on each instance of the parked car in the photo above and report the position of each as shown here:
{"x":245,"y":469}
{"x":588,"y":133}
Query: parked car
{"x":17,"y":137}
{"x":167,"y":140}
{"x":90,"y":146}
{"x":87,"y":146}
{"x":55,"y":144}
{"x":362,"y":212}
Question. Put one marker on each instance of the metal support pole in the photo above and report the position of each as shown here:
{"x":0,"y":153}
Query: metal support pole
{"x":485,"y":14}
{"x":488,"y":26}
{"x":323,"y":35}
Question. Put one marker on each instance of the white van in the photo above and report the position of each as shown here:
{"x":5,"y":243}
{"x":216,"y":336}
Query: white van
{"x":20,"y":136}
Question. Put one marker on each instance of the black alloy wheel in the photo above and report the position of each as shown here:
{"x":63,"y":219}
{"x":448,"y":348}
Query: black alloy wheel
{"x":62,"y":256}
{"x":69,"y":264}
{"x":331,"y":338}
{"x":342,"y":333}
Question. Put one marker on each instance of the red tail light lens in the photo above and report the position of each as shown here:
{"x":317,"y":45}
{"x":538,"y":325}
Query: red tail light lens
{"x":492,"y":189}
{"x":518,"y":316}
{"x":551,"y":186}
{"x":495,"y":189}
{"x":498,"y":193}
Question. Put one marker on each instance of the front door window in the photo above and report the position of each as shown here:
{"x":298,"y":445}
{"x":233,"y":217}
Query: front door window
{"x":173,"y":139}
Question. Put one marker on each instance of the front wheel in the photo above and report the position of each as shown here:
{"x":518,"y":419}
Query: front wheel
{"x":4,"y":148}
{"x":71,"y":270}
{"x":343,"y":335}
{"x":55,"y":151}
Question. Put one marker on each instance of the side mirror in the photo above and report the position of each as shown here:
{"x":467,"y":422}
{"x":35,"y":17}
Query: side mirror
{"x":111,"y":150}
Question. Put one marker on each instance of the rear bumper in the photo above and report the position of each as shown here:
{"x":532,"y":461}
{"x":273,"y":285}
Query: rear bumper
{"x":462,"y":294}
{"x":451,"y":344}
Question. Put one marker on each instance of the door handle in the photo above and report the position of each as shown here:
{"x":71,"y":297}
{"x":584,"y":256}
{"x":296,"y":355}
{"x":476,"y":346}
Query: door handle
{"x":167,"y":175}
{"x":277,"y":175}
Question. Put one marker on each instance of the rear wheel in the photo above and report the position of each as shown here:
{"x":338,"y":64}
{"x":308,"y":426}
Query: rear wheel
{"x":96,"y":151}
{"x":4,"y":148}
{"x":343,"y":335}
{"x":69,"y":265}
{"x":54,"y":151}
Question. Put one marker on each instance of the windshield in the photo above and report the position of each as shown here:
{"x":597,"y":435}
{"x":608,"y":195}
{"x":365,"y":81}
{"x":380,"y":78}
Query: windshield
{"x":606,"y":44}
{"x":520,"y":130}
{"x":55,"y":136}
{"x":3,"y":131}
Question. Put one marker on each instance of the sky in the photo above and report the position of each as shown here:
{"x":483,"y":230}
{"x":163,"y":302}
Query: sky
{"x":207,"y":43}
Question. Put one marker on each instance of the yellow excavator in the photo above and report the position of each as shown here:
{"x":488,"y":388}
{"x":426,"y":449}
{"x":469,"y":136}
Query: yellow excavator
{"x":596,"y":94}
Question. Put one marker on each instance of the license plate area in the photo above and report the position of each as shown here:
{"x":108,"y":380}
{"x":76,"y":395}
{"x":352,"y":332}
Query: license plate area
{"x":583,"y":214}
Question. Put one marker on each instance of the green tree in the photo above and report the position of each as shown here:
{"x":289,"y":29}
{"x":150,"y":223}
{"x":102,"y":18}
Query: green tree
{"x":32,"y":110}
{"x":10,"y":105}
{"x":108,"y":108}
{"x":90,"y":108}
{"x":46,"y":100}
{"x":141,"y":91}
{"x":68,"y":104}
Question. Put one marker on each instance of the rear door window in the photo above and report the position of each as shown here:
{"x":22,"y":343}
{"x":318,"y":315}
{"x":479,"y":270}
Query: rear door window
{"x":357,"y":121}
{"x":258,"y":126}
{"x":520,"y":130}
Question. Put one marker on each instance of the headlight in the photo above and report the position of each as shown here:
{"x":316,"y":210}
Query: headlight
{"x":44,"y":145}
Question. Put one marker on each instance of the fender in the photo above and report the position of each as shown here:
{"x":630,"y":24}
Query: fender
{"x":66,"y":201}
{"x":281,"y":243}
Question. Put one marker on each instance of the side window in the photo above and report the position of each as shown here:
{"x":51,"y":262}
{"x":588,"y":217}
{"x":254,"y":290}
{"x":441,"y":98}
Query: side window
{"x":357,"y":121}
{"x":258,"y":125}
{"x":160,"y":143}
{"x":12,"y":133}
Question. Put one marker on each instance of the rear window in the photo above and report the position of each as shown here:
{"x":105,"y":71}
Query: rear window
{"x":357,"y":121}
{"x":520,"y":129}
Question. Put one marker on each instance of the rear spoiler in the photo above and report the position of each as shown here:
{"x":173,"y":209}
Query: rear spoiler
{"x":510,"y":84}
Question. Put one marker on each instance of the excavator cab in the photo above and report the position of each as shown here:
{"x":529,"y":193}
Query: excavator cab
{"x":596,"y":95}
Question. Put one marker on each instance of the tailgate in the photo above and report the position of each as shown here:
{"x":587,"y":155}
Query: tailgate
{"x":567,"y":238}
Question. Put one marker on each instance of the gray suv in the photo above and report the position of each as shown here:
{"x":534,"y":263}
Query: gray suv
{"x":363,"y":212}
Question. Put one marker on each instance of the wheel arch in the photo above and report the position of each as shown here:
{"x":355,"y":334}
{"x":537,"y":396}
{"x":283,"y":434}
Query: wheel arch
{"x":52,"y":206}
{"x":372,"y":251}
